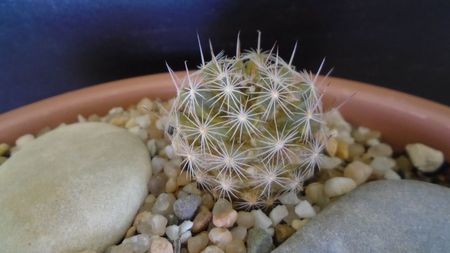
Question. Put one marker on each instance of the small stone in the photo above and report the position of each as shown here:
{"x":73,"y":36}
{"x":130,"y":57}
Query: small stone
{"x":151,"y":145}
{"x":185,"y":208}
{"x":186,"y":226}
{"x":24,"y":139}
{"x":158,"y":164}
{"x":184,"y":237}
{"x":192,"y":189}
{"x":282,"y":232}
{"x":239,"y":233}
{"x":298,"y":224}
{"x":139,"y":132}
{"x":373,"y":142}
{"x":358,"y":171}
{"x":331,"y":147}
{"x":169,"y":151}
{"x":278,"y":214}
{"x":212,"y":249}
{"x":171,"y":185}
{"x":259,"y":241}
{"x":208,"y":200}
{"x":157,"y":184}
{"x":145,"y":105}
{"x":329,"y":163}
{"x":142,"y":121}
{"x":170,"y":169}
{"x":381,"y":164}
{"x":355,"y":150}
{"x":138,"y":243}
{"x":130,"y":232}
{"x":424,"y":158}
{"x":304,"y":210}
{"x":172,"y":219}
{"x":245,"y":219}
{"x":261,"y":219}
{"x":381,"y":149}
{"x":223,"y":214}
{"x":338,"y":186}
{"x":161,"y":245}
{"x":315,"y":194}
{"x":148,"y":203}
{"x":342,"y":149}
{"x":183,"y":179}
{"x":4,"y":148}
{"x":201,"y":220}
{"x":153,"y":225}
{"x":164,"y":204}
{"x":198,"y":243}
{"x":391,"y":175}
{"x":220,"y":236}
{"x":144,"y":215}
{"x":291,"y":214}
{"x":173,"y":232}
{"x":235,"y":246}
{"x":289,"y":198}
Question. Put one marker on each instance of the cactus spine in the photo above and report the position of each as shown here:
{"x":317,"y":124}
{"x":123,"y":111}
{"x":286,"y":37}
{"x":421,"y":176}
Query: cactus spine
{"x":249,"y":127}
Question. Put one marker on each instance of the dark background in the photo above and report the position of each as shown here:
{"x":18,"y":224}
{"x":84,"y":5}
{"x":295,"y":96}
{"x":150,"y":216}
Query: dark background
{"x":48,"y":47}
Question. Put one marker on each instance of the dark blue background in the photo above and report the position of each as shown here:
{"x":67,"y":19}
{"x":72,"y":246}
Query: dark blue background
{"x":51,"y":46}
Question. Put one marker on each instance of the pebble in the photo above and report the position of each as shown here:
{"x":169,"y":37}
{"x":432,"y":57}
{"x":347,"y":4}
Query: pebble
{"x":170,"y":169}
{"x":239,"y":233}
{"x":173,"y":232}
{"x":157,"y":184}
{"x":342,"y":149}
{"x":355,"y":150}
{"x":331,"y":147}
{"x":171,"y":185}
{"x":315,"y":194}
{"x":391,"y":175}
{"x":381,"y":149}
{"x":304,"y":210}
{"x":329,"y":163}
{"x":183,"y":178}
{"x":261,"y":219}
{"x":164,"y":204}
{"x":282,"y":232}
{"x":138,"y":243}
{"x":212,"y":249}
{"x":220,"y":236}
{"x":259,"y":241}
{"x":245,"y":219}
{"x":158,"y":164}
{"x":184,"y":237}
{"x":338,"y":186}
{"x":381,"y":164}
{"x":192,"y":189}
{"x":358,"y":171}
{"x":131,"y":231}
{"x":298,"y":224}
{"x":154,"y":224}
{"x":223,"y":214}
{"x":24,"y":139}
{"x":185,"y":208}
{"x":208,"y":200}
{"x":198,"y":243}
{"x":201,"y":220}
{"x":424,"y":158}
{"x":148,"y":203}
{"x":278,"y":214}
{"x":235,"y":246}
{"x":151,"y":145}
{"x":160,"y":245}
{"x":4,"y":148}
{"x":289,"y":198}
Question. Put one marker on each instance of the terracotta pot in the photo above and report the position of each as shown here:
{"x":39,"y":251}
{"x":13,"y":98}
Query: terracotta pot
{"x":400,"y":117}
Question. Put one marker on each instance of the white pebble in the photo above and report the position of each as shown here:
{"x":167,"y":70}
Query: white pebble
{"x":139,"y":132}
{"x":185,"y":226}
{"x":161,"y":245}
{"x":170,"y":151}
{"x":304,"y":210}
{"x":289,"y":198}
{"x":381,"y":149}
{"x":329,"y":163}
{"x":151,"y":145}
{"x":261,"y":219}
{"x":164,"y":204}
{"x":173,"y":232}
{"x":381,"y":164}
{"x":142,"y":121}
{"x":220,"y":236}
{"x":184,"y":237}
{"x":424,"y":158}
{"x":338,"y":186}
{"x":358,"y":171}
{"x":24,"y":139}
{"x":392,"y":175}
{"x":278,"y":213}
{"x":158,"y":164}
{"x":139,"y":243}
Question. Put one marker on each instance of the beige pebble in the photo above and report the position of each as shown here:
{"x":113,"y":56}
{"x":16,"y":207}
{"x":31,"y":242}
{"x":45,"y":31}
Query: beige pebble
{"x":315,"y":194}
{"x":141,"y":216}
{"x":171,"y":170}
{"x":201,"y":220}
{"x":358,"y":171}
{"x":342,"y":149}
{"x":424,"y":158}
{"x":381,"y":164}
{"x":160,"y":245}
{"x":245,"y":219}
{"x":329,"y":163}
{"x":148,"y":203}
{"x":223,"y":214}
{"x":151,"y":145}
{"x":130,"y":232}
{"x":212,"y":249}
{"x":381,"y":149}
{"x":331,"y":147}
{"x":220,"y":236}
{"x":24,"y":139}
{"x":298,"y":224}
{"x":239,"y":233}
{"x":198,"y":243}
{"x":171,"y":185}
{"x":191,"y":188}
{"x":4,"y":148}
{"x":208,"y":200}
{"x":338,"y":186}
{"x":392,"y":175}
{"x":183,"y":178}
{"x":119,"y":120}
{"x":282,"y":232}
{"x":235,"y":246}
{"x":304,"y":210}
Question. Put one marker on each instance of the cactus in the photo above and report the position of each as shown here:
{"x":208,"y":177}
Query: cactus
{"x":248,"y":127}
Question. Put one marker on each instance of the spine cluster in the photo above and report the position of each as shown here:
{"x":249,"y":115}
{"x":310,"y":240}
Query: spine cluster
{"x":248,"y":127}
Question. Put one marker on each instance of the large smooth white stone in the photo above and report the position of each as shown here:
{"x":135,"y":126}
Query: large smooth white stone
{"x":77,"y":187}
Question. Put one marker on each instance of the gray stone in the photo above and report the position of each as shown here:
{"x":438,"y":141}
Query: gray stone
{"x":185,"y":207}
{"x":74,"y":188}
{"x":381,"y":216}
{"x":259,"y":241}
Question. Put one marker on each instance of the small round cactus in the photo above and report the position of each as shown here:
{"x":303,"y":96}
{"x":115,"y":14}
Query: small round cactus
{"x":248,"y":127}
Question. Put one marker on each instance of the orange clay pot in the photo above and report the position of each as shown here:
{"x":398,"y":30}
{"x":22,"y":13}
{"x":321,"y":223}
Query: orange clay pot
{"x":401,"y":118}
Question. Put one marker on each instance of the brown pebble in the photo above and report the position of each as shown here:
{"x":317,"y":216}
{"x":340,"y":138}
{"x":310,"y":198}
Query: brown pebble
{"x":342,"y":149}
{"x":198,"y":243}
{"x":130,"y":232}
{"x":235,"y":246}
{"x":208,"y":200}
{"x":201,"y":220}
{"x":183,"y":179}
{"x":282,"y":232}
{"x":157,"y":184}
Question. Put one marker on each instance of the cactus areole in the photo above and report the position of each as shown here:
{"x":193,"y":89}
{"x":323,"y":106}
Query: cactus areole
{"x":248,"y":127}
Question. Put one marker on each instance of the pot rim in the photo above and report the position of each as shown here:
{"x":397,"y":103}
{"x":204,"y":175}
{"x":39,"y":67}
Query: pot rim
{"x":400,"y":117}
